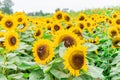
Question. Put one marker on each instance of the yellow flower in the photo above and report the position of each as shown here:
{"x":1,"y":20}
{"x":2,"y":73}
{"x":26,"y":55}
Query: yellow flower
{"x":81,"y":25}
{"x":68,"y":37}
{"x":9,"y":23}
{"x":24,"y":25}
{"x":11,"y":40}
{"x":67,"y":17}
{"x":116,"y":42}
{"x":112,"y":32}
{"x":82,"y":17}
{"x":43,"y":51}
{"x":75,"y":59}
{"x":59,"y":15}
{"x":56,"y":27}
{"x":38,"y":33}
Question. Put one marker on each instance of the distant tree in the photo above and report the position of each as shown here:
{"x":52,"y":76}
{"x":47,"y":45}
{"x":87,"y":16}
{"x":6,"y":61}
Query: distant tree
{"x":7,"y":6}
{"x":58,"y":9}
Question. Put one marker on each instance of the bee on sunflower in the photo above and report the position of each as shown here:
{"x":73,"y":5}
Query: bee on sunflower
{"x":75,"y":59}
{"x":43,"y":51}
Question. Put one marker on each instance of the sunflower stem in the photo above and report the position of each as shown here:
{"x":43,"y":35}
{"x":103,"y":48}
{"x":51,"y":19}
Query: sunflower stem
{"x":4,"y":64}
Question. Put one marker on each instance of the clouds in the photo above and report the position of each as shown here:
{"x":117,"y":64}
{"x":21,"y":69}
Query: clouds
{"x":51,"y":5}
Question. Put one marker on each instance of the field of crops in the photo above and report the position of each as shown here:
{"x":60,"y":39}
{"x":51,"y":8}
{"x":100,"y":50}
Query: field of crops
{"x":62,"y":46}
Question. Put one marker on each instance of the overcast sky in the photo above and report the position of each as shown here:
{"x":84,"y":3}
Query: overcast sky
{"x":51,"y":5}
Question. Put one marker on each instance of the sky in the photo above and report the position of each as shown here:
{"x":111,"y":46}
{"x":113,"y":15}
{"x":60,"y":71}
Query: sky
{"x":51,"y":5}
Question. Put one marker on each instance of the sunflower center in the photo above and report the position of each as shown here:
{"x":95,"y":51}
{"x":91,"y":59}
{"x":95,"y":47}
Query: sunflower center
{"x":19,"y":19}
{"x":9,"y":24}
{"x":68,"y":41}
{"x":115,"y":16}
{"x":59,"y":16}
{"x":76,"y":60}
{"x":88,"y":24}
{"x":42,"y":52}
{"x":113,"y":33}
{"x":37,"y":33}
{"x":1,"y":18}
{"x":56,"y":27}
{"x":49,"y":28}
{"x":81,"y":18}
{"x":78,"y":33}
{"x":81,"y":26}
{"x":13,"y":40}
{"x":67,"y":18}
{"x":118,"y":21}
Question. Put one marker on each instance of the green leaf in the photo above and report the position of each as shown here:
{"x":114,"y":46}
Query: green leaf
{"x":2,"y":77}
{"x":27,"y":65}
{"x":116,"y":59}
{"x":62,"y":49}
{"x":16,"y":76}
{"x":91,"y":47}
{"x":59,"y":74}
{"x":36,"y":75}
{"x":11,"y":66}
{"x":95,"y":72}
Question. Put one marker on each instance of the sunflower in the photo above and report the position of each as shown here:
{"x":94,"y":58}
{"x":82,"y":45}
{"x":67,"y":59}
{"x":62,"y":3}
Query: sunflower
{"x":20,"y":19}
{"x":116,"y":21}
{"x":77,"y":31}
{"x":82,"y":17}
{"x":112,"y":32}
{"x":43,"y":51}
{"x":38,"y":33}
{"x":67,"y":17}
{"x":1,"y":15}
{"x":75,"y":59}
{"x":9,"y":23}
{"x":23,"y":26}
{"x":56,"y":27}
{"x":68,"y":25}
{"x":115,"y":14}
{"x":116,"y":42}
{"x":94,"y":41}
{"x":68,"y":37}
{"x":81,"y":25}
{"x":11,"y":40}
{"x":58,"y":15}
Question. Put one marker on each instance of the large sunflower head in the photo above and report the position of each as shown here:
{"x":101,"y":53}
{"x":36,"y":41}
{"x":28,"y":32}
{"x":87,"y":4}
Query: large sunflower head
{"x":68,"y":37}
{"x":11,"y":40}
{"x":43,"y":51}
{"x":112,"y":32}
{"x":116,"y":42}
{"x":9,"y":23}
{"x":75,"y":59}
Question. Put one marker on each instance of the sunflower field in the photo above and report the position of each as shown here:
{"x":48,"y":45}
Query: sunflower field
{"x":80,"y":45}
